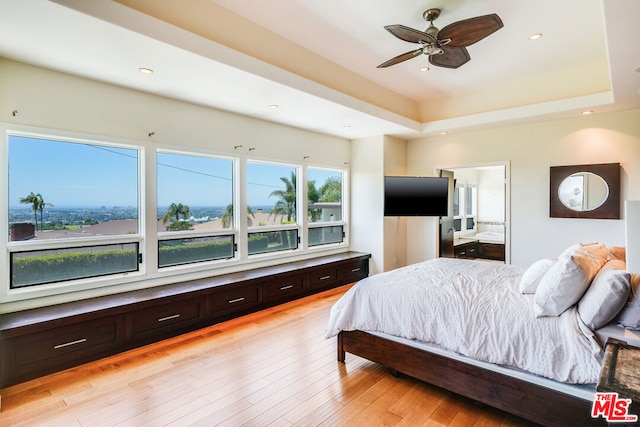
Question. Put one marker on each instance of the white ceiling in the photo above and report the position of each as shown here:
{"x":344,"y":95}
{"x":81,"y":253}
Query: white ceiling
{"x":585,"y":60}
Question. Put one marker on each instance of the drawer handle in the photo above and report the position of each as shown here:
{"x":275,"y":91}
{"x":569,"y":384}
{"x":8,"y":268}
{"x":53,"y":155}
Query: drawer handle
{"x":67,"y":344}
{"x":353,"y":270}
{"x":325,"y":277}
{"x":236,"y":300}
{"x":164,"y":319}
{"x":463,"y":253}
{"x":284,"y":288}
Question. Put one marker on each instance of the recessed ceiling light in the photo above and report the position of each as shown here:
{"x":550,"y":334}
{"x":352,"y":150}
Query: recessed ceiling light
{"x":144,"y":70}
{"x":274,"y":106}
{"x":444,"y":132}
{"x":424,"y":69}
{"x":587,"y":112}
{"x":535,"y":36}
{"x":347,"y":126}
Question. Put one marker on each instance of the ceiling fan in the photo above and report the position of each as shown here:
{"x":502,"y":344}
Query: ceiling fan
{"x":446,"y":47}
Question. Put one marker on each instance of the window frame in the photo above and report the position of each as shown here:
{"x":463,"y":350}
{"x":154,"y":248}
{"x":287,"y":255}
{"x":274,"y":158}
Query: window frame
{"x":232,"y":231}
{"x":147,"y":237}
{"x":9,"y":293}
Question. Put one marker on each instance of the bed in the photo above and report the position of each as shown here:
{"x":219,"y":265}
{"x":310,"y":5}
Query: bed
{"x":496,"y":333}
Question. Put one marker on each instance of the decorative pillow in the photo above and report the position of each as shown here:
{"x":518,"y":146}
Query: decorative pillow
{"x":566,"y":281}
{"x":531,"y":278}
{"x":606,"y":296}
{"x":596,"y":249}
{"x":630,"y":315}
{"x":618,"y":253}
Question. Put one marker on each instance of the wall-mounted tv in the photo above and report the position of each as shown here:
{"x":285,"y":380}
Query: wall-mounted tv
{"x":415,"y":196}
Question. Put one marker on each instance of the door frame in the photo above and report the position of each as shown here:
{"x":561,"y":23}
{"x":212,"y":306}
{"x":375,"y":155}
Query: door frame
{"x":507,"y":200}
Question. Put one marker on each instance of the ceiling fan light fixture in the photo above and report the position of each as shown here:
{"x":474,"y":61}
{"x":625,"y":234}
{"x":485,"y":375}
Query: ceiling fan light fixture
{"x":432,"y":50}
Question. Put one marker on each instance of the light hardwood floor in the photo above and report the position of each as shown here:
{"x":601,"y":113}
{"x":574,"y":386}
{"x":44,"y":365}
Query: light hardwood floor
{"x":270,"y":368}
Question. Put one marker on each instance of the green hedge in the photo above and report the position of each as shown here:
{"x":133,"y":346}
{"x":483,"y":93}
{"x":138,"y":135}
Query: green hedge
{"x":33,"y":270}
{"x":182,"y":254}
{"x":40,"y":269}
{"x":185,"y":253}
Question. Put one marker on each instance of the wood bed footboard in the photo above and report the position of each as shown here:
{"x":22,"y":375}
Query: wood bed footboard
{"x":524,"y":399}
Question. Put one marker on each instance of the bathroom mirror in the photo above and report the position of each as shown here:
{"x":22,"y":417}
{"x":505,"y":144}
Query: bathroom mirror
{"x":585,"y":191}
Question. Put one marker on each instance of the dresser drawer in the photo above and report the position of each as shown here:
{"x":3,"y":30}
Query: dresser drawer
{"x":322,"y":278}
{"x":57,"y":348}
{"x":232,"y":299}
{"x":465,"y":250}
{"x":164,"y":317}
{"x":353,"y":271}
{"x":283,"y":288}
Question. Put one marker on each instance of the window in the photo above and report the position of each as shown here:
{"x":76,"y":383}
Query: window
{"x":464,"y":207}
{"x":195,"y":199}
{"x":80,"y":215}
{"x":65,"y":198}
{"x":324,"y":209}
{"x":196,"y":249}
{"x":194,"y":192}
{"x":50,"y":266}
{"x":272,"y":199}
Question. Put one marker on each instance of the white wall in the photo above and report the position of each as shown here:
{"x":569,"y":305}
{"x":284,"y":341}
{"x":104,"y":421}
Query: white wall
{"x":49,"y":99}
{"x":367,"y":202}
{"x":491,"y":197}
{"x":531,"y":150}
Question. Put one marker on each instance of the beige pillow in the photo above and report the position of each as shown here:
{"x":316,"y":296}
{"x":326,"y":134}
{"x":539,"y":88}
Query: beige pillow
{"x":536,"y":271}
{"x":630,"y":315}
{"x":606,"y":296}
{"x":566,"y":281}
{"x":618,"y":253}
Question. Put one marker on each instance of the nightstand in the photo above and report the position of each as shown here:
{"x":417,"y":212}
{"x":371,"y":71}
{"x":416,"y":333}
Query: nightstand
{"x":620,"y":374}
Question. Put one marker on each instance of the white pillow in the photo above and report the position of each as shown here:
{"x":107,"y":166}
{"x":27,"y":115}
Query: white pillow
{"x":606,"y":296}
{"x":565,"y":282}
{"x":630,"y":315}
{"x":531,"y":278}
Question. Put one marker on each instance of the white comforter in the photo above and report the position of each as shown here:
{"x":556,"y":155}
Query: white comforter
{"x":473,"y":308}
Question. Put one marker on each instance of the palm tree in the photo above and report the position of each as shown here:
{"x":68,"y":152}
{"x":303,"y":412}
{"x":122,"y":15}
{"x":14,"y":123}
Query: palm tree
{"x":41,"y":206}
{"x":287,"y":203}
{"x":175,"y":210}
{"x":228,"y":216}
{"x":313,"y":196}
{"x":34,"y":201}
{"x":331,"y":190}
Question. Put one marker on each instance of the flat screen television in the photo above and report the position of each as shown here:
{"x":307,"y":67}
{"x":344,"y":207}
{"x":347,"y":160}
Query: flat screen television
{"x":415,"y":196}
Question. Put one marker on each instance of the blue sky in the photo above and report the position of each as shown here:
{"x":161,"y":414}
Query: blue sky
{"x":69,"y":174}
{"x":72,"y":174}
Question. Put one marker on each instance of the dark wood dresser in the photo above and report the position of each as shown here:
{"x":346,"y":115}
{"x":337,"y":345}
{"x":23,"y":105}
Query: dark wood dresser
{"x":44,"y":340}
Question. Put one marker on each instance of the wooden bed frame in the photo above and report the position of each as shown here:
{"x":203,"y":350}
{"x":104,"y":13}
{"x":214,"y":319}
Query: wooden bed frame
{"x":522,"y":398}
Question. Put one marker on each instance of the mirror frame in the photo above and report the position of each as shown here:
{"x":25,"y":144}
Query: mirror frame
{"x":610,"y":209}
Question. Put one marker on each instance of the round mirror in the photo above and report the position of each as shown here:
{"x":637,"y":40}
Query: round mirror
{"x":583,"y":191}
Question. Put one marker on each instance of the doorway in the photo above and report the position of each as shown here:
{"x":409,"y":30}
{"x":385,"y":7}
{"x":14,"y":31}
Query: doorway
{"x":479,"y":210}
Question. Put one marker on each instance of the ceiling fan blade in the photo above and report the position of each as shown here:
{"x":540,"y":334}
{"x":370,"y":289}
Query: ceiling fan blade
{"x":401,"y":58}
{"x":409,"y":34}
{"x":451,"y":57}
{"x":469,"y":31}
